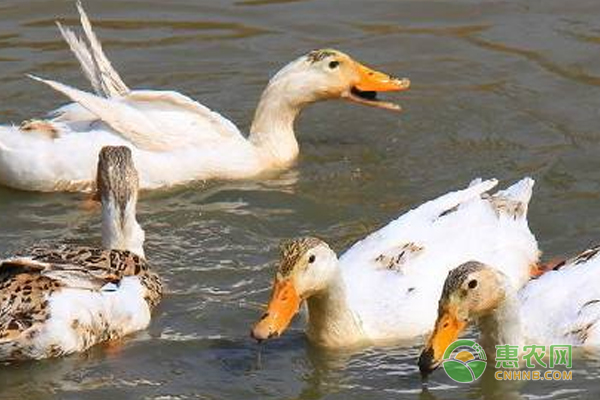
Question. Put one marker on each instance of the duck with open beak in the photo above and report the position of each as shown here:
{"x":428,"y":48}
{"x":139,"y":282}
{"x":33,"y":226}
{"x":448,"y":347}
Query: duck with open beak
{"x":370,"y":82}
{"x":168,"y":126}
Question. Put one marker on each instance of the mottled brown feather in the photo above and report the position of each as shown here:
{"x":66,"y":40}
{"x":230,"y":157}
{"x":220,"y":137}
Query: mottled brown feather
{"x":292,"y":251}
{"x":26,"y":281}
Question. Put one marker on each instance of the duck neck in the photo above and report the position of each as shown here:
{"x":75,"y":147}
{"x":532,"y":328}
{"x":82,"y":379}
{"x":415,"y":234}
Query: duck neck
{"x":272,"y":130}
{"x":120,"y":229}
{"x":331,"y":321}
{"x":504,"y":325}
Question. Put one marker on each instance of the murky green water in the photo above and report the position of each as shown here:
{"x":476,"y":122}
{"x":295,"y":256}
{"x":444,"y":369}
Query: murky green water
{"x":500,"y":88}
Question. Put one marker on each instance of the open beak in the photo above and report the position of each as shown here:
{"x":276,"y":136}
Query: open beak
{"x":447,"y":329}
{"x":283,"y":306}
{"x":371,"y":82}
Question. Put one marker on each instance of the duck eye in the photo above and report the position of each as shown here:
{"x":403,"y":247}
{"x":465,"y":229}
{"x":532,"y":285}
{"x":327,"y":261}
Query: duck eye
{"x":334,"y":64}
{"x":311,"y":259}
{"x":473,"y":284}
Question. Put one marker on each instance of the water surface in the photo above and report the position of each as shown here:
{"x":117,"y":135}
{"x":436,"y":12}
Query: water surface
{"x":502,"y":88}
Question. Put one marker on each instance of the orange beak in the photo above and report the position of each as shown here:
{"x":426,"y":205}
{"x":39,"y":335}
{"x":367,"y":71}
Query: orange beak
{"x":283,"y":306}
{"x":369,"y":83}
{"x":447,"y":329}
{"x":375,"y":81}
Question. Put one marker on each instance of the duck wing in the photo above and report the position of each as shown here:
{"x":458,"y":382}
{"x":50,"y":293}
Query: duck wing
{"x":395,"y":275}
{"x":456,"y":214}
{"x":159,"y":121}
{"x":27,"y":283}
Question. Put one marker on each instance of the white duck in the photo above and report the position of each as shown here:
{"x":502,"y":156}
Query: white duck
{"x":560,"y":307}
{"x":385,"y":287}
{"x":174,"y":139}
{"x":64,"y":299}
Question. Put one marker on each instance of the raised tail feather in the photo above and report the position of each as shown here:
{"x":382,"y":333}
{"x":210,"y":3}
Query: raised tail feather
{"x":514,"y":200}
{"x":130,"y":123}
{"x":450,"y":201}
{"x":97,"y":68}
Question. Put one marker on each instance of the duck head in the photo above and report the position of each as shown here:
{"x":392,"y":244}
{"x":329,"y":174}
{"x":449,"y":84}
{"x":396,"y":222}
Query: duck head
{"x":117,"y":185}
{"x":471,"y":291}
{"x":306,"y":268}
{"x":330,"y":74}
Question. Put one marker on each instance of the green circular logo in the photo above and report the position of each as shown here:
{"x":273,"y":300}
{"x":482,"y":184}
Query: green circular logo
{"x":464,"y":361}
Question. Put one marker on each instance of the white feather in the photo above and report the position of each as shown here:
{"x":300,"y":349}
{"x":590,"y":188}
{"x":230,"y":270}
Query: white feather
{"x":401,"y":302}
{"x":563,"y":306}
{"x":74,"y":311}
{"x":161,"y":127}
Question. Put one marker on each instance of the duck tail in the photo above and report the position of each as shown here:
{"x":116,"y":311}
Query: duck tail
{"x":449,"y":202}
{"x":514,"y":200}
{"x":95,"y":65}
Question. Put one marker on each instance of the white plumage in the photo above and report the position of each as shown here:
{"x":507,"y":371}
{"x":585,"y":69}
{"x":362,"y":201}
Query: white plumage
{"x":174,"y":139}
{"x":402,"y":301}
{"x":563,"y":306}
{"x":81,"y":318}
{"x":387,"y":286}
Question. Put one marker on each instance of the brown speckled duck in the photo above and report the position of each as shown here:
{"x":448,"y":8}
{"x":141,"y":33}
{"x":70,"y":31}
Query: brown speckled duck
{"x":60,"y":300}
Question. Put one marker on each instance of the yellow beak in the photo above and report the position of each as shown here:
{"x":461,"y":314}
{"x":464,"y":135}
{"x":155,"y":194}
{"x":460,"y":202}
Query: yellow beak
{"x":447,"y":329}
{"x":369,"y":83}
{"x":375,"y":81}
{"x":283,"y":306}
